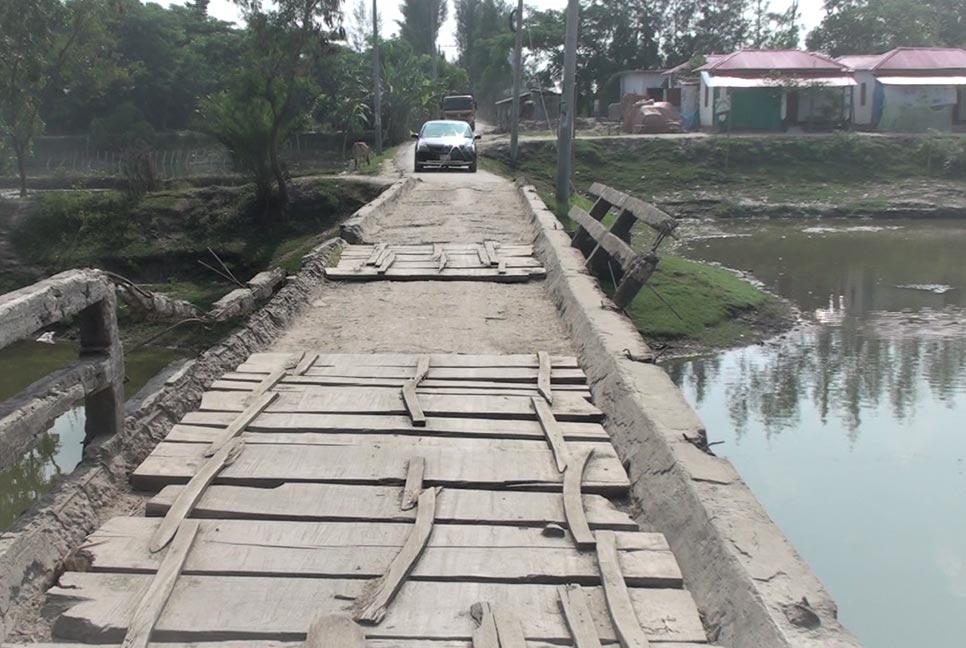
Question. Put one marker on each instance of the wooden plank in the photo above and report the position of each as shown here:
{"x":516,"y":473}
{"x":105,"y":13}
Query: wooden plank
{"x":341,"y":502}
{"x":414,"y":482}
{"x":495,"y":374}
{"x":491,"y":253}
{"x":441,"y":265}
{"x":334,"y":631}
{"x":234,"y":377}
{"x":456,"y":463}
{"x":98,"y":607}
{"x":437,"y":251}
{"x":543,"y":376}
{"x":422,"y":369}
{"x":381,"y":424}
{"x":644,"y":212}
{"x":485,"y":634}
{"x":304,"y":364}
{"x":462,"y":552}
{"x":372,"y":606}
{"x":453,"y":387}
{"x":573,"y":601}
{"x":508,"y":628}
{"x":152,"y":603}
{"x":267,"y":383}
{"x":387,"y":262}
{"x":619,"y":251}
{"x":514,"y":275}
{"x":452,"y":261}
{"x":365,"y":251}
{"x":573,"y":501}
{"x":370,"y":643}
{"x":619,"y":605}
{"x":561,"y":454}
{"x":411,"y":402}
{"x":279,"y":359}
{"x":374,"y":256}
{"x":502,"y":266}
{"x":380,"y":400}
{"x":238,"y":425}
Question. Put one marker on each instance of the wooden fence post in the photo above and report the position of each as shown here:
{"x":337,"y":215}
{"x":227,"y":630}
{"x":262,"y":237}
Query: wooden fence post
{"x":104,"y":409}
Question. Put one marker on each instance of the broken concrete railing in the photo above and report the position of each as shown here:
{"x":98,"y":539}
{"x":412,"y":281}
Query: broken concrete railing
{"x":97,"y":377}
{"x":242,"y":301}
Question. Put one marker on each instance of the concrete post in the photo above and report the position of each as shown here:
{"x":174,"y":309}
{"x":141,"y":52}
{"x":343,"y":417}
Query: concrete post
{"x":376,"y":83}
{"x":567,"y":107}
{"x":104,"y":409}
{"x":517,"y":82}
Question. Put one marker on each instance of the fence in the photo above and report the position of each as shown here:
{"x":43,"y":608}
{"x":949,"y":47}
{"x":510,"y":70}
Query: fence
{"x":608,"y":252}
{"x":97,"y":376}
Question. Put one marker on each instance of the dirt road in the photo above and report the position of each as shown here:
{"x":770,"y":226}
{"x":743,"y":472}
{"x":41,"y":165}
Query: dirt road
{"x":445,"y":207}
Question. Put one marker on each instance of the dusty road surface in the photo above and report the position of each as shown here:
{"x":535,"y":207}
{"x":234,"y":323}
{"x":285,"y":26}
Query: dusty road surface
{"x":425,"y":316}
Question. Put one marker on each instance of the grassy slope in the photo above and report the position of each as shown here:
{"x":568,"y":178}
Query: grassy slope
{"x":686,"y":301}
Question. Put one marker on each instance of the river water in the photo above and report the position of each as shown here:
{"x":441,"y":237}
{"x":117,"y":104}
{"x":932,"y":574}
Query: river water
{"x":851,"y":430}
{"x":58,"y":451}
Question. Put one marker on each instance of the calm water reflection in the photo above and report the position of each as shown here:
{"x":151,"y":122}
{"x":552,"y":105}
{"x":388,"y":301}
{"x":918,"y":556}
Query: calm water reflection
{"x":850,"y":431}
{"x":57,"y":452}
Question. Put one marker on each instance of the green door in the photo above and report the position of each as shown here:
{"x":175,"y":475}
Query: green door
{"x":756,"y":109}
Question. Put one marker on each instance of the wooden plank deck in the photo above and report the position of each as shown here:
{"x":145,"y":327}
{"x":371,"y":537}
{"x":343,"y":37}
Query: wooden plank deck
{"x":437,"y":262}
{"x":318,"y":508}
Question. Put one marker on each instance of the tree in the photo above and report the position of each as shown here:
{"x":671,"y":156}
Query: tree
{"x":37,"y":39}
{"x":876,"y":26}
{"x":282,"y":43}
{"x":421,"y":22}
{"x":484,"y":40}
{"x":360,"y":25}
{"x":697,"y":27}
{"x":772,"y":30}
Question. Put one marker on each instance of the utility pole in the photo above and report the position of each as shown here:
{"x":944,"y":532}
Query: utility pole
{"x":568,"y":106}
{"x":517,"y":78}
{"x":376,"y":83}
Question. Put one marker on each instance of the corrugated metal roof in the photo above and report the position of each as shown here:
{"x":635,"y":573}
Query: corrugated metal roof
{"x":755,"y":60}
{"x":860,"y":61}
{"x":719,"y":81}
{"x":910,"y":59}
{"x":923,"y":80}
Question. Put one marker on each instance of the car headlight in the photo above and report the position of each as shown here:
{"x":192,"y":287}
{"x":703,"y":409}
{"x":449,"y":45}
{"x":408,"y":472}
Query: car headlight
{"x":421,"y":146}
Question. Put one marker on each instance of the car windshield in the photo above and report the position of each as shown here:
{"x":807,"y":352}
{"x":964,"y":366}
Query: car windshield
{"x":458,"y":103}
{"x":447,"y":129}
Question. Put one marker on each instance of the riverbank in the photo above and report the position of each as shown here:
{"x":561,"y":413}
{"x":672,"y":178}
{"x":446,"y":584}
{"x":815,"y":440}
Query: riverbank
{"x":687,"y":307}
{"x":839,"y":175}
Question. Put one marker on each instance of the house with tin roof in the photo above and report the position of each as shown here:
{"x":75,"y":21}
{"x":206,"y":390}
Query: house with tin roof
{"x":774,"y":90}
{"x":909,"y":89}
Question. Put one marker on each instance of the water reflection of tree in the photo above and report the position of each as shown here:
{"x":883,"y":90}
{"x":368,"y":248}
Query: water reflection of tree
{"x":841,"y":369}
{"x":27,"y":480}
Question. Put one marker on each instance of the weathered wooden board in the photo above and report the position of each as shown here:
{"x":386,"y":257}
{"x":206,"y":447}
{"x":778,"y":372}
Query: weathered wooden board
{"x":388,"y":424}
{"x":452,"y":261}
{"x":335,"y":631}
{"x":276,"y":360}
{"x":364,"y":251}
{"x":620,"y":602}
{"x":371,"y":643}
{"x":99,"y":607}
{"x":445,"y":376}
{"x":573,"y":602}
{"x":369,"y":381}
{"x":453,"y":388}
{"x":386,"y":400}
{"x":334,"y":502}
{"x":364,"y":550}
{"x":434,"y":274}
{"x":450,"y":462}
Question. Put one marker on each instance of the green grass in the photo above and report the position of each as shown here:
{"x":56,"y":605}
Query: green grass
{"x":838,"y":167}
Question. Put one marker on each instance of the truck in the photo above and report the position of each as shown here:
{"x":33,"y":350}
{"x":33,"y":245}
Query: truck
{"x":460,"y":108}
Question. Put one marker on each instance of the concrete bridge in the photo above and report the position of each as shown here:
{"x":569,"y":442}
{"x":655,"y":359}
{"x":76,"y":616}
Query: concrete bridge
{"x":435,"y":463}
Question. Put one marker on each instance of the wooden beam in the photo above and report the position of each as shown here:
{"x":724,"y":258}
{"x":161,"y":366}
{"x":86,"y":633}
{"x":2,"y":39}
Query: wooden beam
{"x":346,"y":502}
{"x":484,"y":257}
{"x":442,"y":263}
{"x":619,"y":605}
{"x":238,"y":425}
{"x":543,"y":376}
{"x":573,"y":601}
{"x":414,"y":483}
{"x":501,"y":266}
{"x":191,"y":493}
{"x":388,"y":359}
{"x":561,"y":454}
{"x":376,"y":253}
{"x":304,"y":364}
{"x":153,"y":602}
{"x":618,"y":250}
{"x":508,"y":628}
{"x":490,"y":249}
{"x":334,"y":631}
{"x":411,"y":401}
{"x":422,"y":369}
{"x":371,"y":607}
{"x":642,"y":211}
{"x":485,"y":634}
{"x":387,"y":262}
{"x":512,"y":275}
{"x":573,"y":501}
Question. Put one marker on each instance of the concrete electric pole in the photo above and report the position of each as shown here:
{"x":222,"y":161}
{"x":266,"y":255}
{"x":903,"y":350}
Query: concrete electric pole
{"x":517,"y":78}
{"x":565,"y":133}
{"x":376,"y":82}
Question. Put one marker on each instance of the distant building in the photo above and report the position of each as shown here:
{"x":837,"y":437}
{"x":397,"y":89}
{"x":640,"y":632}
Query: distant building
{"x":646,"y":83}
{"x":536,"y":104}
{"x":910,"y":89}
{"x":773,"y":90}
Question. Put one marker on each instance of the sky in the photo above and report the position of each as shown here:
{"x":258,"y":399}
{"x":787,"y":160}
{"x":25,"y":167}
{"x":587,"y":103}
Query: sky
{"x":226,"y":10}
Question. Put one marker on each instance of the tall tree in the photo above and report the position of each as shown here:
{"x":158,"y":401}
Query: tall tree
{"x":485,"y":40}
{"x":421,"y":22}
{"x":701,"y":27}
{"x":774,"y":30}
{"x":39,"y":41}
{"x":876,"y":26}
{"x":284,"y":38}
{"x":360,"y":25}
